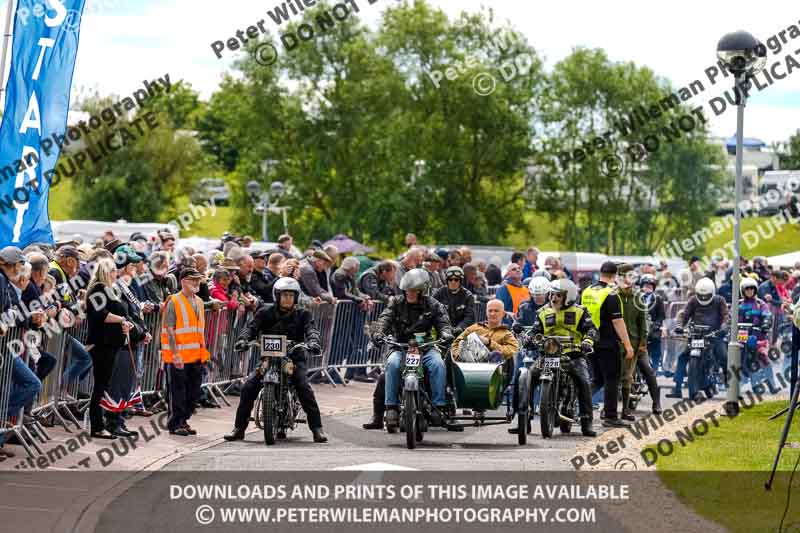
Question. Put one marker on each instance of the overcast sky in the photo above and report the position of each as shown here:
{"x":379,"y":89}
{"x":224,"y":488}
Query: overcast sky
{"x":125,"y":41}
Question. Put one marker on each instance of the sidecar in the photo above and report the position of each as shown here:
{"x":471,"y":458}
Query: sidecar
{"x":483,"y":387}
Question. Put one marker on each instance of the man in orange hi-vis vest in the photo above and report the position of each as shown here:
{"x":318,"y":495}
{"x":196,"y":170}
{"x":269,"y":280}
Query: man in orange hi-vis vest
{"x":183,"y":351}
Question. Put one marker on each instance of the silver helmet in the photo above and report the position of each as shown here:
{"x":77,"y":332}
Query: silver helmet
{"x":415,"y":279}
{"x":286,"y":284}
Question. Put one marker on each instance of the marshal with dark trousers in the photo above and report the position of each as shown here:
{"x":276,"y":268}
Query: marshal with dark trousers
{"x":604,"y":306}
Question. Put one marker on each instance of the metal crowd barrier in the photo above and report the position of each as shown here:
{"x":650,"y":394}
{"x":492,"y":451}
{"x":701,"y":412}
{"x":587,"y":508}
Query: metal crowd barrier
{"x":672,"y":346}
{"x":350,"y":346}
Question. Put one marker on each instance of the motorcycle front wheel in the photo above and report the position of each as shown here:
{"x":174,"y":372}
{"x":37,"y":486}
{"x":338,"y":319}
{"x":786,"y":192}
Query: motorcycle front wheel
{"x":269,"y":413}
{"x":410,"y":415}
{"x":547,"y":409}
{"x":695,"y":375}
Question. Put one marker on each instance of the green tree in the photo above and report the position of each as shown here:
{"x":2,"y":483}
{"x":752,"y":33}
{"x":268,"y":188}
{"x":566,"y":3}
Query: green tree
{"x":366,"y":142}
{"x":621,"y":199}
{"x":144,"y":177}
{"x":789,"y":152}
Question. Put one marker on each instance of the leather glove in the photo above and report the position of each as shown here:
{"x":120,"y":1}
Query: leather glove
{"x":314,"y":348}
{"x":517,"y":328}
{"x":587,"y":347}
{"x":240,"y":346}
{"x":679,"y":330}
{"x":378,"y":339}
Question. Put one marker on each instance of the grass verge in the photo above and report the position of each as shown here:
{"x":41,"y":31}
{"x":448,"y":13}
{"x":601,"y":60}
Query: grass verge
{"x":721,"y":475}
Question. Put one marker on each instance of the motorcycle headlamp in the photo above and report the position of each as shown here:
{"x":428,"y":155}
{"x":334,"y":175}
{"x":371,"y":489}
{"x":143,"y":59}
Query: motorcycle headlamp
{"x":551,"y":347}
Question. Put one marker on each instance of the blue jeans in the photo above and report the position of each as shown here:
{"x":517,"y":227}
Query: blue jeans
{"x":654,"y":349}
{"x":434,"y":366}
{"x":24,"y":388}
{"x":79,"y":361}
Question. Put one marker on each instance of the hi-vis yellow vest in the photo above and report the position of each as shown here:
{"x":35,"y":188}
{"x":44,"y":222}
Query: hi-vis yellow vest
{"x":592,"y":299}
{"x":562,"y":323}
{"x":189,"y":331}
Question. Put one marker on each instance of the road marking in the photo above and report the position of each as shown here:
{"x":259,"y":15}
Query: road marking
{"x":33,"y":509}
{"x":374,"y":467}
{"x":47,"y":487}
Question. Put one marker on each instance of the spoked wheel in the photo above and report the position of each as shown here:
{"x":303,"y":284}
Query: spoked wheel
{"x":547,"y":409}
{"x":695,"y":374}
{"x":523,"y":408}
{"x":269,"y":412}
{"x":410,"y":415}
{"x":257,"y":417}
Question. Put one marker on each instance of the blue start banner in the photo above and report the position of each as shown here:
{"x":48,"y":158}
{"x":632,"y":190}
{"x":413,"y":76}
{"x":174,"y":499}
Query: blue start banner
{"x":37,"y":100}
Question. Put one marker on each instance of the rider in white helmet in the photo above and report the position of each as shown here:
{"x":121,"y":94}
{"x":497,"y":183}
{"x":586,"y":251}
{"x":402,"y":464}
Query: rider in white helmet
{"x":705,"y":308}
{"x":538,"y":288}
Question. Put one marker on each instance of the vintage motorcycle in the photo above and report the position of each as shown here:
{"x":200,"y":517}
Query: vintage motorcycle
{"x":701,"y":370}
{"x":477,"y":387}
{"x":415,"y":400}
{"x":277,"y":406}
{"x":558,"y":403}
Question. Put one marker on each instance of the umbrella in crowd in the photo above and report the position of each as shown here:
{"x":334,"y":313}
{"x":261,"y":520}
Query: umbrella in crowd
{"x":346,"y":245}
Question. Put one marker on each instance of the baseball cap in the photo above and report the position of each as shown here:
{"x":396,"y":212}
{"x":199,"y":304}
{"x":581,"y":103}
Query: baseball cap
{"x":190,"y":273}
{"x":11,"y":255}
{"x":68,"y":251}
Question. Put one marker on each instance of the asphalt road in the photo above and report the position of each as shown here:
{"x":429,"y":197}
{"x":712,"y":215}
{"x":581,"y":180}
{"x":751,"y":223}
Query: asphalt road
{"x":350,"y":446}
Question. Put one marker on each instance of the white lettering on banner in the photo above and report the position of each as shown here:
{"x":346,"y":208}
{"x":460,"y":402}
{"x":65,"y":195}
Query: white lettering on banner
{"x":20,"y":204}
{"x":61,"y":13}
{"x":44,"y":43}
{"x":32,"y":119}
{"x":32,"y":116}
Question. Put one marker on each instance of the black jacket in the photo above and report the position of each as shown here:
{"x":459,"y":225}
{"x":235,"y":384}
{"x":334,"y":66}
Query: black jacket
{"x":259,"y":286}
{"x":402,"y":320}
{"x":379,"y":290}
{"x":344,"y":287}
{"x":297,"y":325}
{"x":460,"y":308}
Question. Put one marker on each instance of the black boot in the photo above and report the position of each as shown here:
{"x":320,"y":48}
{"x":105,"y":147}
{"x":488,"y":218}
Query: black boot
{"x":376,"y":422}
{"x":236,"y":434}
{"x":319,"y":435}
{"x":656,"y":396}
{"x":626,"y":406}
{"x":586,"y":428}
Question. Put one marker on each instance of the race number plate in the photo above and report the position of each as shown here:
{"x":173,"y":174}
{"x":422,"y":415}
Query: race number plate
{"x":273,"y":345}
{"x":698,"y":343}
{"x":742,"y":336}
{"x":412,"y":359}
{"x":552,"y":362}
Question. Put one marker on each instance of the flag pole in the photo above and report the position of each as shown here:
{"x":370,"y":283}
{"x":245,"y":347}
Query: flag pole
{"x":6,"y":36}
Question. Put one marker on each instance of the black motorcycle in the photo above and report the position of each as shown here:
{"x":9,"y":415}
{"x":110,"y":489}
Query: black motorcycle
{"x":277,"y":407}
{"x":702,"y":364}
{"x":415,"y":401}
{"x":558,"y":403}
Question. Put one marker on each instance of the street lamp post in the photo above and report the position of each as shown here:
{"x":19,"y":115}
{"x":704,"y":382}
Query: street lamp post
{"x":261,"y":198}
{"x":744,"y":56}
